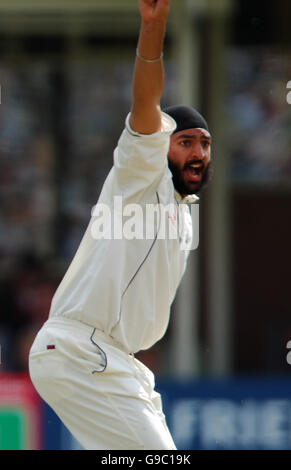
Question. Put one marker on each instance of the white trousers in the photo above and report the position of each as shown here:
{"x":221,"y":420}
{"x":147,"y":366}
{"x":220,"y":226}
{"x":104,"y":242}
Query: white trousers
{"x":104,"y":396}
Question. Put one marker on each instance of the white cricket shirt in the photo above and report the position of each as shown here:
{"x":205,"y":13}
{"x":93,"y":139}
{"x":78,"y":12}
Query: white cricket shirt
{"x":125,"y":287}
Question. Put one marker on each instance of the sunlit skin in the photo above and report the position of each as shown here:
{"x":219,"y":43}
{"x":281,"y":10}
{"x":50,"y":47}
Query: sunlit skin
{"x":189,"y":159}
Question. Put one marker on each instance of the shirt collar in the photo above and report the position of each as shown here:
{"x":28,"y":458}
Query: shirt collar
{"x":189,"y":199}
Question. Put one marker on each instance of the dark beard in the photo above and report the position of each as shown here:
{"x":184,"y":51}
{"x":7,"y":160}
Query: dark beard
{"x":182,"y":187}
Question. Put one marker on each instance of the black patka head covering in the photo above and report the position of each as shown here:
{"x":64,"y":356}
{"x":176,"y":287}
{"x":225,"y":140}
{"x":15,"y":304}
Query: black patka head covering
{"x":186,"y":118}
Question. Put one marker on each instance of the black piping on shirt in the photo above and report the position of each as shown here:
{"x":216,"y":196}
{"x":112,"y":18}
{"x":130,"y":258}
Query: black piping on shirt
{"x":144,"y":260}
{"x":102,"y":352}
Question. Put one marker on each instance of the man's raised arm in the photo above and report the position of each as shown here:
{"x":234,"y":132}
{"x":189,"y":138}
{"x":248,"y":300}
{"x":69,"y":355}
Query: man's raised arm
{"x":148,"y":80}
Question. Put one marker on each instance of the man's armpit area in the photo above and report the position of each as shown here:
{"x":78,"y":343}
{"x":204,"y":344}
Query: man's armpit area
{"x":168,"y":127}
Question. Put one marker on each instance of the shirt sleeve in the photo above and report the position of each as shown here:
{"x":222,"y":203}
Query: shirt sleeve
{"x":140,"y":160}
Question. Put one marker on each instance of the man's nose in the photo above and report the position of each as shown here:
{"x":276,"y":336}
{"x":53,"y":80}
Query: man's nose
{"x":199,"y":152}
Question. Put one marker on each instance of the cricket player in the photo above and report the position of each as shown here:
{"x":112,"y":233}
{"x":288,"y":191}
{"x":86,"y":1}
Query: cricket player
{"x":115,"y":298}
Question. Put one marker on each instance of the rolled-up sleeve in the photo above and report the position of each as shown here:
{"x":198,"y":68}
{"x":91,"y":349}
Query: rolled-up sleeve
{"x":140,"y":160}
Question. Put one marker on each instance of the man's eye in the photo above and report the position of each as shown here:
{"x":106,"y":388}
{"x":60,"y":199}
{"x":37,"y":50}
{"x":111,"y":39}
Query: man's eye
{"x":185,"y":143}
{"x":205,"y":144}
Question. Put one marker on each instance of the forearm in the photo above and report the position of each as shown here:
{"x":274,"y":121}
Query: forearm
{"x":148,"y":79}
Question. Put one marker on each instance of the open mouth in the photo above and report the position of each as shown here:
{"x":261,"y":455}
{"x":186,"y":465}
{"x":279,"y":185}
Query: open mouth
{"x":194,"y":171}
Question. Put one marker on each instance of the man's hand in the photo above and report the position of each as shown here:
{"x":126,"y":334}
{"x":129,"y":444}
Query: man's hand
{"x":154,"y":10}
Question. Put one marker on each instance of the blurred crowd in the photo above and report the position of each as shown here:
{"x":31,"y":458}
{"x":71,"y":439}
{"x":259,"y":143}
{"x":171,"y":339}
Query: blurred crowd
{"x":259,"y":118}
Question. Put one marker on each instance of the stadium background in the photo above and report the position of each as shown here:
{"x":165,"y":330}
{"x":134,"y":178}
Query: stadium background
{"x":65,"y":76}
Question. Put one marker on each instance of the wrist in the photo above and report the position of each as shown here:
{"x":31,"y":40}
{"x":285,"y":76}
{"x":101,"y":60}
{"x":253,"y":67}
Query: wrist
{"x":153,"y":26}
{"x":151,"y":39}
{"x":151,"y":61}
